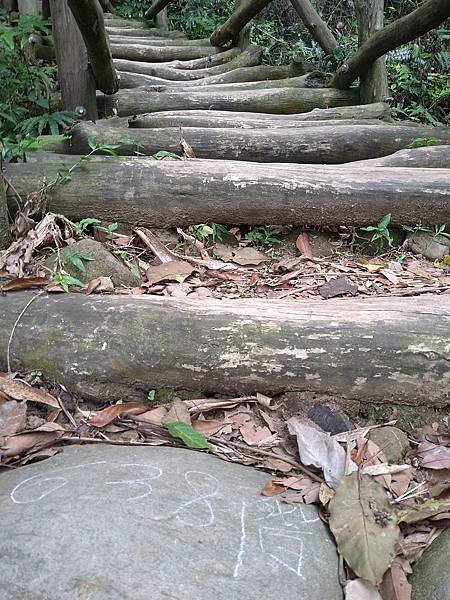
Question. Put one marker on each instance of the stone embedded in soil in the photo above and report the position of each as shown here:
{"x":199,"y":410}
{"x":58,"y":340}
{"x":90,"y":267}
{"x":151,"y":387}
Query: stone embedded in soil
{"x":431,"y":574}
{"x":428,"y":244}
{"x":392,"y":441}
{"x":110,"y":523}
{"x":330,"y":420}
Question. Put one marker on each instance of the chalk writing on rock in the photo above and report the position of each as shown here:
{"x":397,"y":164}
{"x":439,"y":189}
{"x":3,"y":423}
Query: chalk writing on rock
{"x":266,"y":528}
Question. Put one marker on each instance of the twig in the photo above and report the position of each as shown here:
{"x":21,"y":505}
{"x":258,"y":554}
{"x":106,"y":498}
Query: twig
{"x":8,"y":350}
{"x":287,"y":460}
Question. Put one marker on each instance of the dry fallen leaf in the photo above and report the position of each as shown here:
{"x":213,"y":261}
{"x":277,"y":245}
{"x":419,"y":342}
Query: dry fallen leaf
{"x":303,"y":245}
{"x":37,"y":439}
{"x":359,"y":589}
{"x":337,"y":287}
{"x":175,"y":270}
{"x":109,"y":414}
{"x":18,"y":390}
{"x":209,"y":427}
{"x":99,"y":284}
{"x":24,"y":283}
{"x":395,"y":584}
{"x":178,"y":413}
{"x":433,"y":456}
{"x":13,"y":418}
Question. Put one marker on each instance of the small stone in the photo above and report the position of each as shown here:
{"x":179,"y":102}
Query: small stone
{"x":33,"y":422}
{"x":428,"y":244}
{"x":127,"y":523}
{"x":392,"y":441}
{"x":331,"y":421}
{"x":431,"y":574}
{"x":104,"y":264}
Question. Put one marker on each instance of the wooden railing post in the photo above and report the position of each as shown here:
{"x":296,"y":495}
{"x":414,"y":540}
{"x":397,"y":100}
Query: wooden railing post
{"x":373,"y":83}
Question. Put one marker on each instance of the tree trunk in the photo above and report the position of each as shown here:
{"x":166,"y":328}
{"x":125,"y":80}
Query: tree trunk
{"x":143,"y":191}
{"x":89,"y":17}
{"x":216,"y":118}
{"x":316,"y":26}
{"x":243,"y":39}
{"x":429,"y":15}
{"x":10,"y":5}
{"x":244,"y":13}
{"x":5,"y":233}
{"x":310,"y":80}
{"x":161,"y":19}
{"x":156,"y":7}
{"x":74,"y":74}
{"x":107,"y":7}
{"x":373,"y":85}
{"x":337,"y":347}
{"x":328,"y":144}
{"x":150,"y":32}
{"x":251,"y":56}
{"x":168,"y":53}
{"x":277,"y":101}
{"x":428,"y":157}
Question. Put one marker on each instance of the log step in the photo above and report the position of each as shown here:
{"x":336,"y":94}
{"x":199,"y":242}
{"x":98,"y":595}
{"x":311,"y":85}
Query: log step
{"x":374,"y":350}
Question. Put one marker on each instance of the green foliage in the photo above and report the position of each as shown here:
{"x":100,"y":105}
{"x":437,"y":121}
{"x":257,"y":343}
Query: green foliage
{"x":422,"y":142}
{"x":382,"y":237}
{"x":264,"y":237}
{"x":25,"y":85}
{"x":77,"y":258}
{"x":65,"y":281}
{"x":85,"y":224}
{"x":163,"y":154}
{"x":151,"y":396}
{"x":185,"y":432}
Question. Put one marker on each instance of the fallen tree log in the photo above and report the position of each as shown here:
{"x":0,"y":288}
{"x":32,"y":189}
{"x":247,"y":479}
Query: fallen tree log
{"x":428,"y":157}
{"x":178,"y":193}
{"x":89,"y":17}
{"x":327,"y":144}
{"x":137,"y":343}
{"x":217,"y":118}
{"x":240,"y":74}
{"x":150,"y":32}
{"x":169,"y":53}
{"x":158,"y":41}
{"x":113,"y":21}
{"x":249,"y":57}
{"x":283,"y":100}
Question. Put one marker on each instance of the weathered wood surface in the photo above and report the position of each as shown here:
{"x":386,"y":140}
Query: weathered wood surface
{"x":5,"y":234}
{"x":428,"y":157}
{"x":316,"y":25}
{"x":276,"y":101}
{"x":150,"y":32}
{"x":156,"y":7}
{"x":237,"y":75}
{"x":140,"y":52}
{"x":217,"y":118}
{"x":250,"y":57}
{"x":177,"y":193}
{"x":89,"y":17}
{"x":328,"y":144}
{"x":244,"y":13}
{"x":158,"y":41}
{"x":109,"y":347}
{"x":427,"y":16}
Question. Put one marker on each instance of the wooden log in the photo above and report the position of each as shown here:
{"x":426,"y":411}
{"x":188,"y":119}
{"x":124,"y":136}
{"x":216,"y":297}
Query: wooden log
{"x":158,"y":41}
{"x":327,"y":144}
{"x":373,"y":85}
{"x":113,"y":21}
{"x":277,"y":101}
{"x":216,"y":118}
{"x":240,"y":74}
{"x":5,"y":233}
{"x":427,"y":16}
{"x":315,"y":25}
{"x":136,"y":343}
{"x":150,"y":32}
{"x":89,"y":17}
{"x":75,"y":75}
{"x":133,"y":80}
{"x":244,"y":13}
{"x":156,"y":7}
{"x":251,"y":56}
{"x":107,"y":7}
{"x":427,"y":157}
{"x":178,"y":193}
{"x":167,"y":53}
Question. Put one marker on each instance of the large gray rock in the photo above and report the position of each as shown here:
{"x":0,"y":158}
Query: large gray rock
{"x":431,"y":575}
{"x":118,"y":523}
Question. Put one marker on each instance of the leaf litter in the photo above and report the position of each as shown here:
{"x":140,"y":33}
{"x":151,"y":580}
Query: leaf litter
{"x":381,"y":524}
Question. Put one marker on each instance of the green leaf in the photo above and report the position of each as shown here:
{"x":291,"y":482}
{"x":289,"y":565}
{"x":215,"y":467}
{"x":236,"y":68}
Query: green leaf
{"x":192,"y":438}
{"x":151,"y":395}
{"x":384,"y":222}
{"x":78,"y":263}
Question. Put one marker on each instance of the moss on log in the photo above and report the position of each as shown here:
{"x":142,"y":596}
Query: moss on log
{"x":108,"y":347}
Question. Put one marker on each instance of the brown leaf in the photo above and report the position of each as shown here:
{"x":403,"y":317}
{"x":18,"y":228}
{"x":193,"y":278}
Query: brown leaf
{"x":176,"y":270}
{"x":18,"y":390}
{"x":209,"y":427}
{"x":360,"y":589}
{"x":395,"y":584}
{"x":273,"y":488}
{"x":24,"y":283}
{"x":303,"y":245}
{"x":13,"y":417}
{"x":178,"y":412}
{"x":337,"y":287}
{"x":37,"y":439}
{"x":254,"y":435}
{"x":156,"y":246}
{"x":433,"y":456}
{"x":99,"y":284}
{"x":154,"y":416}
{"x":109,"y":414}
{"x":187,"y":149}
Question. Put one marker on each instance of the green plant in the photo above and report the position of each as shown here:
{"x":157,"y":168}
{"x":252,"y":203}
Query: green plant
{"x":122,"y":254}
{"x":65,"y":281}
{"x":264,"y":237}
{"x":151,"y":395}
{"x":108,"y":229}
{"x":76,"y":258}
{"x":163,"y":154}
{"x":424,"y":142}
{"x":382,"y":237}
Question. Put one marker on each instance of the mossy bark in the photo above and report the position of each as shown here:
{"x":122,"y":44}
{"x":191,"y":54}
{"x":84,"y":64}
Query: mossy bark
{"x":5,"y":234}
